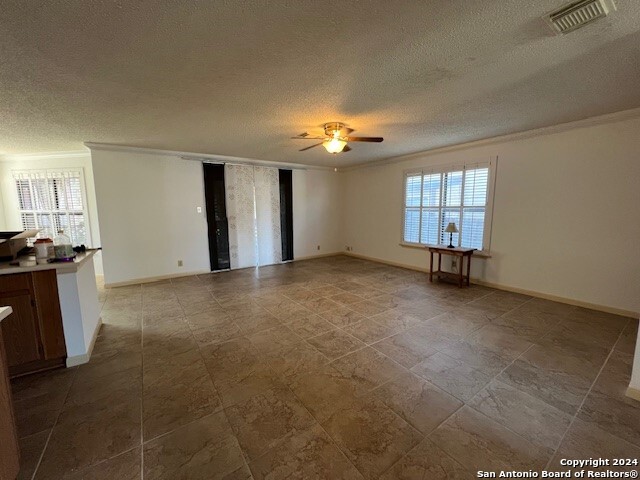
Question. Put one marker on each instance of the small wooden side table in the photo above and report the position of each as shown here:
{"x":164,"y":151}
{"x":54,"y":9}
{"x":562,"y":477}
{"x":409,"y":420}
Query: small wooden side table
{"x":456,"y":252}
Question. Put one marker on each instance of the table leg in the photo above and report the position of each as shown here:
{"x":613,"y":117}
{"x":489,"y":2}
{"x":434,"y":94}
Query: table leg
{"x":461,"y":270}
{"x":431,"y":267}
{"x":468,"y":270}
{"x":439,"y":261}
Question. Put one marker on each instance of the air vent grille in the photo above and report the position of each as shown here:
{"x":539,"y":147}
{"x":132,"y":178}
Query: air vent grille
{"x":577,"y":15}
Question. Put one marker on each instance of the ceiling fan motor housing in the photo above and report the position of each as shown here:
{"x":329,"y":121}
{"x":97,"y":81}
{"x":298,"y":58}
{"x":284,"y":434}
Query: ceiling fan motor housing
{"x":332,"y":127}
{"x":336,"y":136}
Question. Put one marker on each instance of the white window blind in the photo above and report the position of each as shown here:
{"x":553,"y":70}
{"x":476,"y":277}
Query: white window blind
{"x":434,"y":197}
{"x":53,"y":200}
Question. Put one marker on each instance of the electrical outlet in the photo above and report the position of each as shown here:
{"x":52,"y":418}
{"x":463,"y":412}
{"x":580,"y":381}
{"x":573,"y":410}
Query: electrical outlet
{"x":179,"y":263}
{"x":454,"y":263}
{"x":199,"y":209}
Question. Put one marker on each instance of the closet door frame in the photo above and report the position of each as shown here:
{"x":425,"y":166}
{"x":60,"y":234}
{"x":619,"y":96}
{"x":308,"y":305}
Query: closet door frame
{"x":218,"y":225}
{"x":286,"y":213}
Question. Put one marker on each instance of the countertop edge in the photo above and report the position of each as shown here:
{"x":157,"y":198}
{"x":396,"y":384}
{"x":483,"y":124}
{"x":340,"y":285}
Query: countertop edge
{"x":5,"y":312}
{"x":61,"y":267}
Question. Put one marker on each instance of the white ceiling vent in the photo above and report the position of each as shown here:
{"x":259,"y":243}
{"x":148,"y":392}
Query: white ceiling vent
{"x":578,"y":14}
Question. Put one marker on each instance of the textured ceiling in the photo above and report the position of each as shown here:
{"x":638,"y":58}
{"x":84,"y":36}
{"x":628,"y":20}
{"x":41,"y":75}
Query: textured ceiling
{"x":240,"y":77}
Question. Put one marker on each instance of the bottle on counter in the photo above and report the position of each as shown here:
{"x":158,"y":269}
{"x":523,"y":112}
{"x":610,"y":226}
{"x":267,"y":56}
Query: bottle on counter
{"x":44,"y":250}
{"x":62,"y":246}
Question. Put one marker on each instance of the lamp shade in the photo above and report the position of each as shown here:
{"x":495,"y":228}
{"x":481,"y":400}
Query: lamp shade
{"x":334,"y":145}
{"x":451,"y":228}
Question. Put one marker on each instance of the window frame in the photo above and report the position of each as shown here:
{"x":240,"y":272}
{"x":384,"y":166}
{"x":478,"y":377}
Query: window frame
{"x":491,"y":163}
{"x":46,"y":171}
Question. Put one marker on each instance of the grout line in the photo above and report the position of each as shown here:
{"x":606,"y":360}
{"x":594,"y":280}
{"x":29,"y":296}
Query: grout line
{"x":89,"y":467}
{"x":322,"y":427}
{"x":495,"y":377}
{"x":604,"y":364}
{"x":465,"y":402}
{"x":44,"y":449}
{"x":222,"y":408}
{"x":426,"y":437}
{"x":365,"y":345}
{"x":422,"y":322}
{"x":404,"y":369}
{"x":288,"y":387}
{"x":162,"y":435}
{"x":141,"y":310}
{"x":197,"y":345}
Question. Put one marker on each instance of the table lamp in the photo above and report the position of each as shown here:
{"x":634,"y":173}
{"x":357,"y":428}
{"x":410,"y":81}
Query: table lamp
{"x":451,"y":229}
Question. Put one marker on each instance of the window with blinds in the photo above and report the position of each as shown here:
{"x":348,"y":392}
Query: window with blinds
{"x":435,"y":197}
{"x":53,"y":200}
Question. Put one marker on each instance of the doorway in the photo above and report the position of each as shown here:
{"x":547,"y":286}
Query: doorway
{"x":214,"y":193}
{"x":286,"y":213}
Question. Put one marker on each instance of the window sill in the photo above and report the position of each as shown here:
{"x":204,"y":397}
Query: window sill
{"x":477,"y":253}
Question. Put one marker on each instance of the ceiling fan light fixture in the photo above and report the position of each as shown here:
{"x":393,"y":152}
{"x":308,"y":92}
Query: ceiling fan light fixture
{"x":334,"y":145}
{"x":335,"y":139}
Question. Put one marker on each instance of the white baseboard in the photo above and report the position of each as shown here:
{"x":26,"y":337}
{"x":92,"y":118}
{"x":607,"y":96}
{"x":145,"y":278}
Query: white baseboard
{"x":137,"y":281}
{"x":507,"y":288}
{"x":78,"y":360}
{"x":556,"y":298}
{"x":633,"y":393}
{"x":85,"y":357}
{"x":320,"y":255}
{"x":386,"y":262}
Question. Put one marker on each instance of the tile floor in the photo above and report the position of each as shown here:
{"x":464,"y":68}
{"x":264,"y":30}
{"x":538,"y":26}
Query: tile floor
{"x":331,"y":368}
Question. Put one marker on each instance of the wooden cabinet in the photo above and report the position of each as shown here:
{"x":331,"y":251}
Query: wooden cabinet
{"x":21,"y":330}
{"x":9,"y":450}
{"x":33,"y":334}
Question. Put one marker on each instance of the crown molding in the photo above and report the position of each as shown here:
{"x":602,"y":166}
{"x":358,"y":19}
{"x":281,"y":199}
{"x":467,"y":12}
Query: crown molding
{"x":45,"y":155}
{"x":537,"y":132}
{"x":201,"y":157}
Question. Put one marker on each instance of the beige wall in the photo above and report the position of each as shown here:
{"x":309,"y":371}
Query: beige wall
{"x":317,"y":211}
{"x":148,"y":219}
{"x":3,"y":218}
{"x":565,"y":217}
{"x":147,"y":206}
{"x":565,"y":221}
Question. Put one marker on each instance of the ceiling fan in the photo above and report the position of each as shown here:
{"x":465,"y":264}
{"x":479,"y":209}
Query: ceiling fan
{"x":335,"y":139}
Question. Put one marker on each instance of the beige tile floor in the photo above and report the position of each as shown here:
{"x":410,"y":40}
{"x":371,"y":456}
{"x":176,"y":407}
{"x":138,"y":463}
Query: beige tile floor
{"x":331,"y":368}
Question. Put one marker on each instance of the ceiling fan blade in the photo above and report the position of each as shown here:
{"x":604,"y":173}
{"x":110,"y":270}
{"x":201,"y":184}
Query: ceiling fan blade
{"x":346,"y":148}
{"x":307,"y":148}
{"x":348,"y":130}
{"x":365,"y":139}
{"x":307,"y":138}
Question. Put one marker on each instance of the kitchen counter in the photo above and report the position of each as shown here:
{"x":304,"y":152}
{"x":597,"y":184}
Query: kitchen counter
{"x":75,"y":298}
{"x":62,"y":267}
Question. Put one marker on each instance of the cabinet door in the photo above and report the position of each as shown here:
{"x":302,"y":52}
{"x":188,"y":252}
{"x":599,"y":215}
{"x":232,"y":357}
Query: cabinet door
{"x":9,"y":452}
{"x":45,"y":290}
{"x":20,"y":330}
